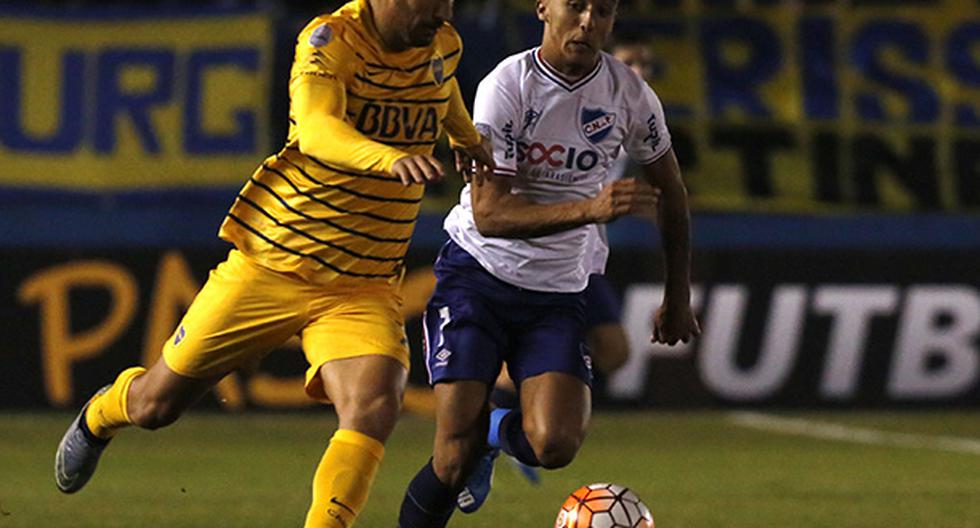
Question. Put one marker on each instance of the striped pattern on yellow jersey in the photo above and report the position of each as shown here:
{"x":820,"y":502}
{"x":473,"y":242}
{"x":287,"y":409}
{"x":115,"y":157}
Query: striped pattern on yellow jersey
{"x":301,"y":215}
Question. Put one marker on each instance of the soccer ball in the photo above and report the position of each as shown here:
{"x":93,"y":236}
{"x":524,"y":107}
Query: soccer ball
{"x":603,"y":506}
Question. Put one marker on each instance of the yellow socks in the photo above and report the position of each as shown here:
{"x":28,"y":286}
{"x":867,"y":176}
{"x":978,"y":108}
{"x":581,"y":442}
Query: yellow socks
{"x":343,"y":479}
{"x":106,"y":412}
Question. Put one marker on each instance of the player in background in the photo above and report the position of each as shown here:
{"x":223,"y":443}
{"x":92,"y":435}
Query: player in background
{"x":632,"y":49}
{"x":320,"y":233}
{"x":510,"y":280}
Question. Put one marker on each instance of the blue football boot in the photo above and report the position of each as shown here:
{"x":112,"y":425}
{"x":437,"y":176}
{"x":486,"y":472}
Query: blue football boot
{"x":478,"y":486}
{"x":531,"y":474}
{"x":78,"y":453}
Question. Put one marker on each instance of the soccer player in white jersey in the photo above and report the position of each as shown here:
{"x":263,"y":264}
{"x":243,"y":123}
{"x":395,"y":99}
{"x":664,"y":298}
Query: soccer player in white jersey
{"x":510,"y":280}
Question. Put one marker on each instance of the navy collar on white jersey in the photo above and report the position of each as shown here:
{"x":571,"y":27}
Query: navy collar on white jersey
{"x":554,"y":76}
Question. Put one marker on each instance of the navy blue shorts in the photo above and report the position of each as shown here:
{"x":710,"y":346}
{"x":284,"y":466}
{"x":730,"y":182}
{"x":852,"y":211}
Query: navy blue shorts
{"x":475,"y":321}
{"x":601,"y":302}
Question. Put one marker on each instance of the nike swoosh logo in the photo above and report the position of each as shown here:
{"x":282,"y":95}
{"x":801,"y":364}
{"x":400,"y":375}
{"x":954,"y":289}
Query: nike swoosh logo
{"x":64,"y":479}
{"x":333,"y":500}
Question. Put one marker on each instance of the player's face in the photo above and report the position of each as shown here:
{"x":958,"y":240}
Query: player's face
{"x":577,"y":29}
{"x":422,"y":19}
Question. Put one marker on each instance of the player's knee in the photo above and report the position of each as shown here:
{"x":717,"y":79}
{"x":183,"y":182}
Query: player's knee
{"x":557,"y":453}
{"x":555,"y":447}
{"x":154,"y":414}
{"x":450,"y":467}
{"x":374,"y":414}
{"x":610,"y":347}
{"x":615,"y":359}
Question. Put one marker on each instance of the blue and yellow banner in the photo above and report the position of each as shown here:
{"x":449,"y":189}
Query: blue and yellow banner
{"x":142,"y":101}
{"x":813,"y":109}
{"x":773,"y":107}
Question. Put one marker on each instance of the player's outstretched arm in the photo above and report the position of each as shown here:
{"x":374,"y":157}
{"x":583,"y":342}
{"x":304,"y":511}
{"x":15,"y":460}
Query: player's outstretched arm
{"x":319,"y":105}
{"x":674,"y":320}
{"x":499,"y":213}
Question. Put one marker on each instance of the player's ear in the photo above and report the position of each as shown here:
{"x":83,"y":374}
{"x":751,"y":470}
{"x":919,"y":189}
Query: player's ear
{"x":539,"y":8}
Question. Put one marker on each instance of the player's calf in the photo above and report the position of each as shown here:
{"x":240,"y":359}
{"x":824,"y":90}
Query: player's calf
{"x":153,"y":415}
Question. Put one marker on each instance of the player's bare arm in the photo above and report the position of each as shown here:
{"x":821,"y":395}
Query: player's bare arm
{"x":323,"y":134}
{"x":674,"y":321}
{"x":475,"y":163}
{"x":624,"y":197}
{"x":500,"y":213}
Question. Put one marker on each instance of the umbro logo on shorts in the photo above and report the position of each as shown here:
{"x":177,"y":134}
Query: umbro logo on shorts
{"x":443,"y":357}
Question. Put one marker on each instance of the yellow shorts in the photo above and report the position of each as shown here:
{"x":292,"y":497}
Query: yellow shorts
{"x":245,"y":310}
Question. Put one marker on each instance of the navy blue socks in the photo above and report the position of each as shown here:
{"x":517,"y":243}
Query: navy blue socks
{"x":507,"y":433}
{"x":428,"y":503}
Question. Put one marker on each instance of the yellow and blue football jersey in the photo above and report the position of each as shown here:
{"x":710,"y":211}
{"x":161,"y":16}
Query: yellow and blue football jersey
{"x":325,"y":222}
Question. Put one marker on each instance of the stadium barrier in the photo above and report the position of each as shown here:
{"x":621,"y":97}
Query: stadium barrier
{"x":782,"y":328}
{"x":125,"y":134}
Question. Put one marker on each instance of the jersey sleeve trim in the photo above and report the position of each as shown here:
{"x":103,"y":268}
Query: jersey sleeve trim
{"x":656,"y":157}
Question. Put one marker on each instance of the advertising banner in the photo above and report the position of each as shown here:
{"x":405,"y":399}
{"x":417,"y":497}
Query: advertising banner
{"x":808,"y":328}
{"x":833,"y":328}
{"x":124,"y":100}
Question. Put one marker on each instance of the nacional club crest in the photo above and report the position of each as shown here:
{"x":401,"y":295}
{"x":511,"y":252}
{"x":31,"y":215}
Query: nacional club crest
{"x":597,"y":124}
{"x":438,"y":72}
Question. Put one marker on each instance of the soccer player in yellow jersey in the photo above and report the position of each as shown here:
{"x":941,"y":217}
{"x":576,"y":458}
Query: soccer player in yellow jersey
{"x":320,"y":233}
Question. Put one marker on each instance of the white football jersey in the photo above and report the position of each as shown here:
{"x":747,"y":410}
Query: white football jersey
{"x":557,"y":140}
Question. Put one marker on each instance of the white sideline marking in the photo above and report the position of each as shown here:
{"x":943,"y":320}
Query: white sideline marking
{"x":847,"y":433}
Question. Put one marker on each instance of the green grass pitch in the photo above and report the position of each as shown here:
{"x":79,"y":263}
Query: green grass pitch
{"x":694,"y":470}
